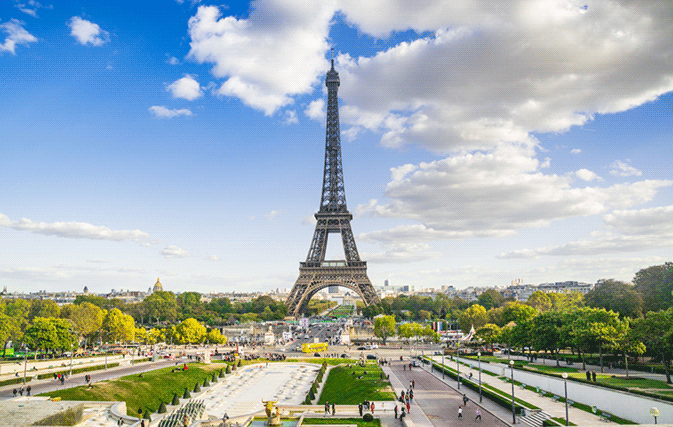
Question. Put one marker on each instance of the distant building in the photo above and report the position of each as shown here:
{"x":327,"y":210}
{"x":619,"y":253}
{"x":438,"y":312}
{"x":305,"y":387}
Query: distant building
{"x":158,"y":287}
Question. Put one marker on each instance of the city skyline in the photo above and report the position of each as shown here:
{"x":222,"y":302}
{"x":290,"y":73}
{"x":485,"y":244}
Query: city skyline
{"x":481,"y":142}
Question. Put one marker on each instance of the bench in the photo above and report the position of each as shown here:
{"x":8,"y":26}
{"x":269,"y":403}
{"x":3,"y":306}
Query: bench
{"x":522,"y":386}
{"x":605,"y":417}
{"x":555,"y":398}
{"x":571,"y":402}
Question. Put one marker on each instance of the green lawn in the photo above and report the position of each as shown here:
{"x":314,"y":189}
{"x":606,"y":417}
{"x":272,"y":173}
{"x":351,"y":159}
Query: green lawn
{"x":146,"y":392}
{"x":358,"y":421}
{"x":344,"y":388}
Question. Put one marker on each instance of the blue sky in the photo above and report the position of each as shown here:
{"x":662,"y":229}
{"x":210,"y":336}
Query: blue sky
{"x":482,"y":141}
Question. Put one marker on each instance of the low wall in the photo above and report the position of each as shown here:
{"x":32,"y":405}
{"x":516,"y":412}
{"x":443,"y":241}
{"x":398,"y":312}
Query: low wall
{"x":625,"y":405}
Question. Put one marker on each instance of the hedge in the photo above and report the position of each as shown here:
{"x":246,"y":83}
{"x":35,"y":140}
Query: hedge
{"x":14,"y":381}
{"x":77,"y":370}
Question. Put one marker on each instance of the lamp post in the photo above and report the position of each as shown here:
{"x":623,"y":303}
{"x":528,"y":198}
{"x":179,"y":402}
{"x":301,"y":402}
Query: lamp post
{"x":565,"y":386}
{"x":479,"y":358}
{"x":511,"y":368}
{"x":655,"y":413}
{"x":458,"y":366}
{"x":442,"y":363}
{"x":70,"y":373}
{"x":25,"y":362}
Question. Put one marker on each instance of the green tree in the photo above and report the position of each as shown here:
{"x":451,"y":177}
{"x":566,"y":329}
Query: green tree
{"x":215,"y":337}
{"x":617,"y":296}
{"x":42,"y":308}
{"x":118,"y":327}
{"x":161,"y":306}
{"x":384,"y":327}
{"x":189,"y":331}
{"x":655,"y":330}
{"x":190,"y":305}
{"x":548,"y":332}
{"x":540,"y":301}
{"x":655,"y":284}
{"x":49,"y":334}
{"x":86,"y":319}
{"x":517,"y":312}
{"x":490,"y":298}
{"x":592,"y":327}
{"x":489,"y":334}
{"x":475,"y":315}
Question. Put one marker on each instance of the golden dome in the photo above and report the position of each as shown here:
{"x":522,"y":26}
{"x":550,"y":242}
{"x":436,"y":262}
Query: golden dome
{"x":157,"y":286}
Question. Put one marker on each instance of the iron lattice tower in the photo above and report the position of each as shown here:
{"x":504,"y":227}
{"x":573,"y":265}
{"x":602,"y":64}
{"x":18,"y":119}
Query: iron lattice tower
{"x":332,"y":217}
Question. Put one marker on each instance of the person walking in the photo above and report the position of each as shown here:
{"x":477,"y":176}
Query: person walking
{"x":411,"y":396}
{"x":413,"y":383}
{"x":21,"y":391}
{"x":372,"y":407}
{"x":28,"y":389}
{"x":360,"y":408}
{"x":396,"y":411}
{"x":408,"y":408}
{"x":593,"y":375}
{"x":14,"y":392}
{"x":333,"y":409}
{"x":326,"y":408}
{"x":588,"y":375}
{"x":460,"y":411}
{"x":478,"y":417}
{"x":465,"y":400}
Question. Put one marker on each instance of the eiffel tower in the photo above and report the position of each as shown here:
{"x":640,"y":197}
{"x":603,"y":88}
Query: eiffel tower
{"x":333,"y":217}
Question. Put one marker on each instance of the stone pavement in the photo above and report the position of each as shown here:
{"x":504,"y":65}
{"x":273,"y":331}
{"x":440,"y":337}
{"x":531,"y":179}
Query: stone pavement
{"x":555,"y":409}
{"x":435,"y":403}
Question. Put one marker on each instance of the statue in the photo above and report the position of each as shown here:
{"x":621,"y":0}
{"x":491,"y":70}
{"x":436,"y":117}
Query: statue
{"x":272,"y":419}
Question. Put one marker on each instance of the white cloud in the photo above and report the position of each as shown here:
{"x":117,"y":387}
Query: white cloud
{"x":620,"y":168}
{"x":496,"y":193}
{"x":172,"y":60}
{"x":316,"y":110}
{"x":290,"y":117}
{"x":587,"y":175}
{"x":187,"y":88}
{"x":87,"y":32}
{"x":213,"y":258}
{"x":402,"y":253}
{"x":16,"y":35}
{"x":271,"y":215}
{"x":627,"y":231}
{"x":162,"y":112}
{"x":75,"y":230}
{"x":173,"y":251}
{"x":276,"y":53}
{"x":575,"y":151}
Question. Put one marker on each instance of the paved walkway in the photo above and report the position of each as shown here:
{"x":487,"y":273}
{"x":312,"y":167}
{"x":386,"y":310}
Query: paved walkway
{"x":555,"y":409}
{"x":435,"y":402}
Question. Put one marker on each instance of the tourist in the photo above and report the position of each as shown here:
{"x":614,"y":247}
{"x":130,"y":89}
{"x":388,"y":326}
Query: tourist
{"x":465,"y":400}
{"x":413,"y":383}
{"x":408,"y":408}
{"x":14,"y":392}
{"x":333,"y":409}
{"x":28,"y":389}
{"x":588,"y":375}
{"x":460,"y":411}
{"x":593,"y":375}
{"x":396,"y":410}
{"x":372,"y":407}
{"x":359,"y":405}
{"x":478,"y":417}
{"x":326,"y":408}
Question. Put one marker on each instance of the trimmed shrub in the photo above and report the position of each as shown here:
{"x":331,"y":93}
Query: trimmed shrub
{"x":367,"y":417}
{"x":228,"y":370}
{"x":176,"y":399}
{"x":147,"y":415}
{"x":205,"y":382}
{"x":221,"y":373}
{"x":197,"y":388}
{"x":214,"y":379}
{"x":162,"y":408}
{"x":239,"y":363}
{"x":187,"y":394}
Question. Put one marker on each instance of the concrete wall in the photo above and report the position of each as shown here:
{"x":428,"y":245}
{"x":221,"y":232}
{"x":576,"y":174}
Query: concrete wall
{"x":629,"y":406}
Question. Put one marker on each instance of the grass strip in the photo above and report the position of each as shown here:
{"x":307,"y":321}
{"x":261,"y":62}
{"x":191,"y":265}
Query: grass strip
{"x":376,"y":422}
{"x":77,"y":370}
{"x":344,"y":387}
{"x":146,"y":392}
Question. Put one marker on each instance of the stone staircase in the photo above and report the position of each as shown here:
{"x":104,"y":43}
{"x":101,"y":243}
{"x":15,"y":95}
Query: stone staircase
{"x":534,"y":418}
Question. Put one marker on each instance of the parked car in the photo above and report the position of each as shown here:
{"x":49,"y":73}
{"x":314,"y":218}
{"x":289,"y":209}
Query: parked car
{"x":345,"y":356}
{"x":361,"y":348}
{"x":316,"y":354}
{"x":371,"y":356}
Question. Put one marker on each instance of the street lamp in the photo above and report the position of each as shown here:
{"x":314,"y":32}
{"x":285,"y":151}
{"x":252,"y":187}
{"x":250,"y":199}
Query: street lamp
{"x":479,"y":358}
{"x":442,"y":363}
{"x":511,"y":368}
{"x":25,"y":362}
{"x":458,"y":366}
{"x":565,"y":386}
{"x":655,"y":413}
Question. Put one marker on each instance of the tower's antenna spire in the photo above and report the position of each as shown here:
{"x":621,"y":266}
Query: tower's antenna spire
{"x":332,"y":58}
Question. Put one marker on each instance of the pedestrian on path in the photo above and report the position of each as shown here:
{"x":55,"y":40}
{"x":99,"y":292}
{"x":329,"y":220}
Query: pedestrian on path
{"x":372,"y":407}
{"x":333,"y":409}
{"x":413,"y":383}
{"x":14,"y":392}
{"x":465,"y":400}
{"x":28,"y":389}
{"x":460,"y":411}
{"x":326,"y":408}
{"x":478,"y":417}
{"x":593,"y":375}
{"x":408,"y":408}
{"x":588,"y":375}
{"x":396,"y":409}
{"x":360,"y":408}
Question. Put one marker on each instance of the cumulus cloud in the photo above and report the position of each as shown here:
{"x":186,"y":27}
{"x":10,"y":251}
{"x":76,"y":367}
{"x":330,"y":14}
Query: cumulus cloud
{"x":276,"y":53}
{"x":75,"y":230}
{"x":271,"y":215}
{"x":575,"y":151}
{"x":213,"y":258}
{"x":316,"y":110}
{"x":162,"y":112}
{"x":626,"y":231}
{"x":172,"y":60}
{"x":290,"y":117}
{"x":16,"y":35}
{"x":587,"y":175}
{"x":173,"y":251}
{"x":496,"y":193}
{"x":402,"y":253}
{"x":620,"y":168}
{"x":30,"y":7}
{"x":87,"y":32}
{"x":186,"y":88}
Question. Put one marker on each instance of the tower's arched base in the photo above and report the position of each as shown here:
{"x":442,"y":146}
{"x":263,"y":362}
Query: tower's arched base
{"x":313,"y":279}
